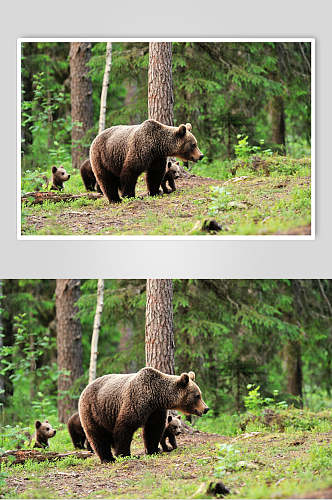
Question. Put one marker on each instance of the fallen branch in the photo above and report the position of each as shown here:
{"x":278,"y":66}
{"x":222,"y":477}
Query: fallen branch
{"x":38,"y":197}
{"x":20,"y":456}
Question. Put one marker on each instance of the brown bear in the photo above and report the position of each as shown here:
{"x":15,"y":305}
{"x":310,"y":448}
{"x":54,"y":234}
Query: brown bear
{"x":113,"y":407}
{"x":172,"y":429}
{"x":44,"y":431}
{"x":120,"y":154}
{"x":172,"y":172}
{"x":59,"y":176}
{"x":77,"y":433}
{"x":88,"y":177}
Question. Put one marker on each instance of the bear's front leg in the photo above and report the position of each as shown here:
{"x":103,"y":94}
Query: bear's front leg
{"x":154,"y":176}
{"x":153,"y":431}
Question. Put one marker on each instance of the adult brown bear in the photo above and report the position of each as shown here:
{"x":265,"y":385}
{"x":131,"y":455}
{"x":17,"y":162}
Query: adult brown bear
{"x":113,"y":407}
{"x":120,"y":154}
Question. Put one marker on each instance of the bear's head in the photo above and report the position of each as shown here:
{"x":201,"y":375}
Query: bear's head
{"x":190,"y":397}
{"x":44,"y":430}
{"x":173,"y":167}
{"x":187,"y":149}
{"x":59,"y":175}
{"x":174,"y":424}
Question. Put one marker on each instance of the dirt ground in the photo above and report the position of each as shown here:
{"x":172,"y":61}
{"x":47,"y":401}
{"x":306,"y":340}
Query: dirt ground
{"x":84,"y":480}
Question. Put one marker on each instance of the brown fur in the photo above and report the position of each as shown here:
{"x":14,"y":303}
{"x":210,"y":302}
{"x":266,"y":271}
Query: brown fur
{"x":172,"y":429}
{"x":120,"y":154}
{"x":113,"y":407}
{"x":44,"y":431}
{"x":88,"y":177}
{"x":172,"y":172}
{"x":77,"y":433}
{"x":59,"y":176}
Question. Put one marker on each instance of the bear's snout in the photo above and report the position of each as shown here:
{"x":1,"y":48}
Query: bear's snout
{"x":206,"y":409}
{"x":54,"y":432}
{"x":201,"y":157}
{"x":68,"y":176}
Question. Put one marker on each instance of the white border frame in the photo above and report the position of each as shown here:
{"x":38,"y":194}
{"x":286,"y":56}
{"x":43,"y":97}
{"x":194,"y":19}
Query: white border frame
{"x":217,"y":238}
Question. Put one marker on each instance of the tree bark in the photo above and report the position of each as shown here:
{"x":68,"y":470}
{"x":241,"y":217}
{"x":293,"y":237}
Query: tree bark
{"x":69,"y":343}
{"x":293,"y":365}
{"x":96,"y":330}
{"x":81,"y":100}
{"x":106,"y":79}
{"x":159,"y":336}
{"x":160,"y":82}
{"x":278,"y":121}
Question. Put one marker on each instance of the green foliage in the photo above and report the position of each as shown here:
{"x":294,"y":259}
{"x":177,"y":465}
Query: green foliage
{"x":228,"y":460}
{"x":255,"y":402}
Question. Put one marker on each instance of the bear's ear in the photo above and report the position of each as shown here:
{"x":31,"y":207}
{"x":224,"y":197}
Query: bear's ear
{"x":54,"y":169}
{"x":182,"y":130}
{"x":37,"y":424}
{"x":179,"y":417}
{"x":170,"y":418}
{"x":189,"y":127}
{"x":191,"y":375}
{"x":184,"y":379}
{"x":46,"y":421}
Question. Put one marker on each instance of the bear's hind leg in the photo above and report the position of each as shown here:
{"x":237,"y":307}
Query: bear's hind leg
{"x":122,"y":437}
{"x":155,"y":175}
{"x":153,"y":430}
{"x":101,"y":445}
{"x":128,"y":182}
{"x":109,"y":185}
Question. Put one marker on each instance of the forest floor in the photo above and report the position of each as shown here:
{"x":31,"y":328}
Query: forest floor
{"x":254,"y":205}
{"x":251,"y":465}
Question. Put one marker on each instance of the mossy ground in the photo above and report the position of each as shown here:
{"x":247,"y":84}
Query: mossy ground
{"x":260,"y":463}
{"x":277,"y":203}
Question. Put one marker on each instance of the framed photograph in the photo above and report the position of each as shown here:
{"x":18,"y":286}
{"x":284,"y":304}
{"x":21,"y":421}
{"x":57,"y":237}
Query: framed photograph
{"x":166,"y":138}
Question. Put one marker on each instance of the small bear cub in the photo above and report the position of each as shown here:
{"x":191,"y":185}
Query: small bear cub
{"x":172,"y":172}
{"x":77,"y":433}
{"x":59,"y":176}
{"x":172,"y":429}
{"x":44,"y":431}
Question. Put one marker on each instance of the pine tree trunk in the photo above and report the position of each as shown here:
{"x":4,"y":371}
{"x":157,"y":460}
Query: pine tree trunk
{"x":96,"y":330}
{"x":81,"y":100}
{"x":106,"y":79}
{"x":293,"y":366}
{"x":69,"y":343}
{"x":278,"y":122}
{"x":160,"y":82}
{"x":159,"y":336}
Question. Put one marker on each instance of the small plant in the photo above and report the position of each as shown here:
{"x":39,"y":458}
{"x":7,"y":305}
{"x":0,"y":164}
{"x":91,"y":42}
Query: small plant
{"x":228,"y":459}
{"x":220,"y":200}
{"x":255,"y":402}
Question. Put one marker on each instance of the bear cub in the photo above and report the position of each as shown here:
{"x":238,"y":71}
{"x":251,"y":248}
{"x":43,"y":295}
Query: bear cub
{"x":88,"y":177}
{"x":44,"y":431}
{"x":172,"y":429}
{"x":172,"y":172}
{"x":77,"y":433}
{"x":59,"y":176}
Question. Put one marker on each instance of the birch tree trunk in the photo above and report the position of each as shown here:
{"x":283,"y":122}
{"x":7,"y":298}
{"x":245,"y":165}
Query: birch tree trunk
{"x":159,"y":335}
{"x":69,"y":344}
{"x":96,"y":330}
{"x":106,"y":79}
{"x":160,"y":82}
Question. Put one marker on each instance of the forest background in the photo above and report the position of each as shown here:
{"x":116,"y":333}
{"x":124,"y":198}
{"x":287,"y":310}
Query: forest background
{"x":275,"y":334}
